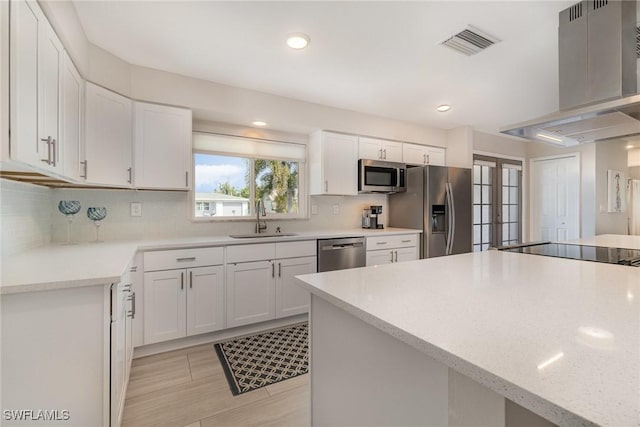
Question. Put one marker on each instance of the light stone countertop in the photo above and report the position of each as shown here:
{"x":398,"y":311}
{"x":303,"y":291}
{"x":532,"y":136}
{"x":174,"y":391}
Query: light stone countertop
{"x":560,"y":337}
{"x":609,"y":241}
{"x":58,"y":266}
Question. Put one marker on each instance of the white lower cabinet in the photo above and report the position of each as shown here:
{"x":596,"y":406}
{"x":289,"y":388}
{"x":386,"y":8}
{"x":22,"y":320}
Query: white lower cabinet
{"x":264,"y":289}
{"x":179,"y":303}
{"x":164,"y":306}
{"x":205,"y":300}
{"x":291,"y":299}
{"x":391,"y":249}
{"x":250,"y":292}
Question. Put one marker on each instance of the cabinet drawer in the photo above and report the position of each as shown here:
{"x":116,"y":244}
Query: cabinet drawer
{"x":387,"y":242}
{"x":246,"y":253}
{"x":296,"y":249}
{"x":183,"y":258}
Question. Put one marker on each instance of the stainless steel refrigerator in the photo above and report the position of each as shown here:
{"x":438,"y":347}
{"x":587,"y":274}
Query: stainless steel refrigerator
{"x":437,"y":201}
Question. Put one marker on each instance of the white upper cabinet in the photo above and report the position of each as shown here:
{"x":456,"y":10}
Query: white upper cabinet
{"x":379,"y":149}
{"x":72,"y":105}
{"x":333,"y":164}
{"x":108,"y":137}
{"x":35,"y":66}
{"x":162,"y":146}
{"x":415,"y":154}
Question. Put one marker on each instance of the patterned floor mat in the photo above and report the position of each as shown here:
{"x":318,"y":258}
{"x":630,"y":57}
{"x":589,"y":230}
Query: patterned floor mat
{"x":259,"y":360}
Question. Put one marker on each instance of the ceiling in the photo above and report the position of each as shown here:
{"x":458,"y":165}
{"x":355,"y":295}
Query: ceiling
{"x":381,"y":58}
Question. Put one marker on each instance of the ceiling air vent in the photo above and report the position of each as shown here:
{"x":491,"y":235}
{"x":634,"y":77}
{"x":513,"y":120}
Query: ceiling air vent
{"x":470,"y":41}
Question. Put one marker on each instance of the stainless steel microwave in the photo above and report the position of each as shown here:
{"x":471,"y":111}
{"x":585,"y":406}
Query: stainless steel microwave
{"x":375,"y":176}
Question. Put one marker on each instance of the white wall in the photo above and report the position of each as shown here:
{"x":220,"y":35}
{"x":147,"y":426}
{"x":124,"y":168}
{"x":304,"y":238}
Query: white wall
{"x":25,"y":216}
{"x":460,"y":147}
{"x":4,"y":80}
{"x":609,"y":155}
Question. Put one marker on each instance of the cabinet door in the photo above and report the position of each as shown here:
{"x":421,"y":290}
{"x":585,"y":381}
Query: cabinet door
{"x":164,"y":305}
{"x":369,"y":148}
{"x":406,"y":254}
{"x":107,"y":137}
{"x":250,"y":292}
{"x":380,"y":257}
{"x":392,"y":151}
{"x":290,"y":298}
{"x":25,"y":145}
{"x":340,"y":164}
{"x":72,"y":95}
{"x":162,"y":146}
{"x":50,"y":58}
{"x":118,"y":351}
{"x":205,"y":300}
{"x":413,"y":154}
{"x":435,"y":156}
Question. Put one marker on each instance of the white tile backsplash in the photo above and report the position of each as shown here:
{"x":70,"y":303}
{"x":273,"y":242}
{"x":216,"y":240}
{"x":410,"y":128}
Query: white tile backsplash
{"x":25,"y":216}
{"x":167,"y":214}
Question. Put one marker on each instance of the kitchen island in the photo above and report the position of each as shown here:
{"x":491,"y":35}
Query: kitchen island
{"x":455,"y":340}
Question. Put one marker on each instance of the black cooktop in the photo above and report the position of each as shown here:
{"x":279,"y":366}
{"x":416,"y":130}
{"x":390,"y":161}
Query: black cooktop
{"x":622,"y":256}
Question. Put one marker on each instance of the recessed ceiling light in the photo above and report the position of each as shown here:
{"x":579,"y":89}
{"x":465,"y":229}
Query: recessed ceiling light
{"x":297,"y":41}
{"x":443,"y":108}
{"x":259,"y":123}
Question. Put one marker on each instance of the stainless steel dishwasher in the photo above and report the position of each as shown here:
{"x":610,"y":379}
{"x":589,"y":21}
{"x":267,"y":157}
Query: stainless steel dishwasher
{"x":338,"y":254}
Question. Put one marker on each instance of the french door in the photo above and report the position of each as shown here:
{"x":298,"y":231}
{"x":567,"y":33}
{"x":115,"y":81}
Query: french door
{"x":497,"y":202}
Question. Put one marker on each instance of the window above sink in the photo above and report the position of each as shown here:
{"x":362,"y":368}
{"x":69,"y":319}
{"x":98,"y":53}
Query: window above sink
{"x":232,"y":173}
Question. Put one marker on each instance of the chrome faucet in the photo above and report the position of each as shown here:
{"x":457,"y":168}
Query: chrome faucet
{"x":260,"y":209}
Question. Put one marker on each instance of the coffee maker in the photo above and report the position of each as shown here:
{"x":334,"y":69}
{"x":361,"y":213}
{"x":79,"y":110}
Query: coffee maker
{"x":370,"y":217}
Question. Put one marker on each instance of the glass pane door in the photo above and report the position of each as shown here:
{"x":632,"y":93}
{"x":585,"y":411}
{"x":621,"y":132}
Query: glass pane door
{"x":497,"y":202}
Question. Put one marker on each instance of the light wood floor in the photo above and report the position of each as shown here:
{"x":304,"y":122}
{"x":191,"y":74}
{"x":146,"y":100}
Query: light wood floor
{"x":188,"y":388}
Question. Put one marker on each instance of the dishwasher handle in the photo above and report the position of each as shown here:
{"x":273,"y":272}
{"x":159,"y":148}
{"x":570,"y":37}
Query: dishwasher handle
{"x":342,"y":246}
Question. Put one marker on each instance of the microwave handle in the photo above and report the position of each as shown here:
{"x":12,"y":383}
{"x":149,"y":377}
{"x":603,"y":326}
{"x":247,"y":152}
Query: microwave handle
{"x":397,"y":177}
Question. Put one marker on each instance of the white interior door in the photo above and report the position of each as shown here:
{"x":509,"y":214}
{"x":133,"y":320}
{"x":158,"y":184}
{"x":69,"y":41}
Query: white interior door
{"x":555,"y":198}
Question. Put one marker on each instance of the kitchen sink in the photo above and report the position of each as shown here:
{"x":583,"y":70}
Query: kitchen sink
{"x":254,"y":235}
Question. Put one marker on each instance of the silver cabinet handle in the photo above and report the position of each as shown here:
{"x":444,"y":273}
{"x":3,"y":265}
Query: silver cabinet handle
{"x":396,"y":256}
{"x":186,"y":179}
{"x":424,"y":158}
{"x":279,"y":269}
{"x":326,"y":186}
{"x":380,"y":154}
{"x":54,"y":157}
{"x":48,"y":141}
{"x":186,"y":259}
{"x":381,"y":243}
{"x":181,"y":280}
{"x":190,"y":279}
{"x":428,"y":158}
{"x":126,"y":288}
{"x":129,"y":171}
{"x":406,"y":241}
{"x":132,"y":312}
{"x":273,"y":270}
{"x":133,"y":269}
{"x":391,"y":256}
{"x":85,"y":164}
{"x":385,"y":154}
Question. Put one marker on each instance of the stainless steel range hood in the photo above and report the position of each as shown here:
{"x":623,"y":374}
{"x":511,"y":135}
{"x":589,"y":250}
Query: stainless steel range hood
{"x":597,"y":75}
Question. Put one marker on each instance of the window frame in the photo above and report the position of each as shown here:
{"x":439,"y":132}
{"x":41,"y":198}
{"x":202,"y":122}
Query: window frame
{"x":303,"y":193}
